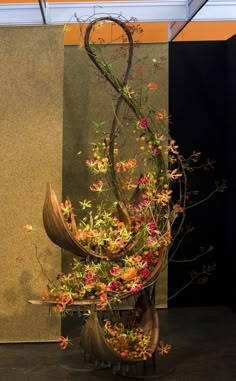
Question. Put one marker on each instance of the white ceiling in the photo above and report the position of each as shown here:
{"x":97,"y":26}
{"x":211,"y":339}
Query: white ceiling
{"x":177,"y":12}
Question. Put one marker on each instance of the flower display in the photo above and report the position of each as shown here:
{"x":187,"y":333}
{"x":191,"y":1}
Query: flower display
{"x":126,"y":231}
{"x":135,"y":209}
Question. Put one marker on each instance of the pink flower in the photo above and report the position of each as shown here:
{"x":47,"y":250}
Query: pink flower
{"x":146,"y":259}
{"x":110,"y":287}
{"x":142,"y":204}
{"x":151,"y":241}
{"x":151,"y":226}
{"x":144,"y":272}
{"x":173,"y":174}
{"x":116,"y":284}
{"x":113,"y":286}
{"x":143,"y":180}
{"x":136,"y":288}
{"x":155,"y":151}
{"x":90,"y":278}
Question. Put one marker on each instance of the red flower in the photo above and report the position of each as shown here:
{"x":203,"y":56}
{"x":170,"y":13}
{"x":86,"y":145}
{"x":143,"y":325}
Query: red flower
{"x":143,"y":123}
{"x":152,"y":86}
{"x":110,"y":287}
{"x":117,"y":284}
{"x":90,"y":278}
{"x":63,"y":342}
{"x":163,"y":348}
{"x":144,"y":272}
{"x":143,"y":180}
{"x":113,"y":286}
{"x":136,"y":288}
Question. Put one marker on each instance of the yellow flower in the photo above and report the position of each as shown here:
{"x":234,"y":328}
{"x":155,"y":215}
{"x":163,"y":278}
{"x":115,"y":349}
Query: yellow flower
{"x":99,"y":25}
{"x":66,"y":29}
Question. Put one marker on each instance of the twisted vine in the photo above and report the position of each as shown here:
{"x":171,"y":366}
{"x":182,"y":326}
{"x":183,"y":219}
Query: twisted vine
{"x":118,"y":86}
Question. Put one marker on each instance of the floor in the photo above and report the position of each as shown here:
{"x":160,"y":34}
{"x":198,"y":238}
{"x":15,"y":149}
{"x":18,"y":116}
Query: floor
{"x":203,"y":343}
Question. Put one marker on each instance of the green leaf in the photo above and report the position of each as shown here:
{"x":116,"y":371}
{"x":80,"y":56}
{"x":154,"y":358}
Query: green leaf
{"x":97,"y":47}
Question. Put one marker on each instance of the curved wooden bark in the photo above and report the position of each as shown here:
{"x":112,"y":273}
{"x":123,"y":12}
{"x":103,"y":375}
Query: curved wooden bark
{"x":93,"y":341}
{"x":57,"y":229}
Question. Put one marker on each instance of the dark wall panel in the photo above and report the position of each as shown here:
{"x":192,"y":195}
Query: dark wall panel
{"x":198,"y":108}
{"x":231,"y":172}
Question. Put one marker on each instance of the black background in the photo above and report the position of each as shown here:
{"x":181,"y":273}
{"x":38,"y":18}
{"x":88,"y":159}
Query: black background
{"x":202,"y":104}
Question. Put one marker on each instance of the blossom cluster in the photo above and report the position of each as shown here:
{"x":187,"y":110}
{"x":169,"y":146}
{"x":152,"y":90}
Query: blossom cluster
{"x":102,"y":281}
{"x":131,"y":344}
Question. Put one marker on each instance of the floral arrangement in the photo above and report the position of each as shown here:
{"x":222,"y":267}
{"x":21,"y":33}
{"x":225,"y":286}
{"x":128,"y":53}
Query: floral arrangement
{"x":127,"y":230}
{"x":138,"y":204}
{"x":131,"y":343}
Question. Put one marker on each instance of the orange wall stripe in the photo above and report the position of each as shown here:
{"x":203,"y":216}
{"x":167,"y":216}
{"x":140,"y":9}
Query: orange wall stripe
{"x":152,"y":32}
{"x":210,"y":30}
{"x":158,"y":32}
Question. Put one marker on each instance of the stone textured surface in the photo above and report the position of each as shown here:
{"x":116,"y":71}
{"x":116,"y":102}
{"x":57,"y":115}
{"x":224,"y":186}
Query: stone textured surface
{"x":31,"y":109}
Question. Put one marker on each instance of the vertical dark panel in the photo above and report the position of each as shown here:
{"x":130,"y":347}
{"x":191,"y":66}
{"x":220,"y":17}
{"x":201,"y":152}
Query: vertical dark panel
{"x":231,"y":139}
{"x":197,"y":104}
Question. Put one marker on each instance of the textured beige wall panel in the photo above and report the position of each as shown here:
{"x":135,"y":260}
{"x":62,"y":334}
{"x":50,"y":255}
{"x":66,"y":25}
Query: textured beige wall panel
{"x":88,"y":99}
{"x":31,"y":109}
